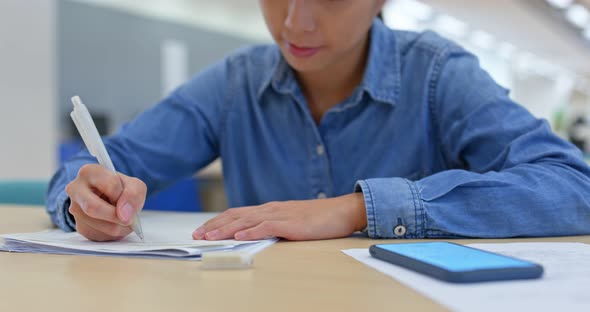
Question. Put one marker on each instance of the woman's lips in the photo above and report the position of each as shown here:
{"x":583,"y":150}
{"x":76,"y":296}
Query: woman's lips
{"x":302,"y":52}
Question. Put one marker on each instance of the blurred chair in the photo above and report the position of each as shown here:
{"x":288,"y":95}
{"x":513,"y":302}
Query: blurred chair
{"x":181,"y":196}
{"x":29,"y":193}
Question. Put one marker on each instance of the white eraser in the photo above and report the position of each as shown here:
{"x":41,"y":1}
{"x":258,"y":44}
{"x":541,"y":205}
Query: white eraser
{"x":226,"y":260}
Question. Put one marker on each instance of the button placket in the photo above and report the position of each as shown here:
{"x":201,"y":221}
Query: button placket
{"x":320,"y":150}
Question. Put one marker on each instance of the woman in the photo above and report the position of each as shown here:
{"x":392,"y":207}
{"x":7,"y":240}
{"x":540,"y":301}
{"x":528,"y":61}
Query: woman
{"x":344,"y":125}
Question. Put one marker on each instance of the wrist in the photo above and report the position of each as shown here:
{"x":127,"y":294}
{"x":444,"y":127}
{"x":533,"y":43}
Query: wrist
{"x":359,"y":211}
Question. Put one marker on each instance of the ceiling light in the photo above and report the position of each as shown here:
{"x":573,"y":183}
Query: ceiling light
{"x":578,"y":15}
{"x":560,"y":4}
{"x":506,"y":50}
{"x":416,"y":9}
{"x":451,"y":26}
{"x":482,"y":39}
{"x":395,"y":18}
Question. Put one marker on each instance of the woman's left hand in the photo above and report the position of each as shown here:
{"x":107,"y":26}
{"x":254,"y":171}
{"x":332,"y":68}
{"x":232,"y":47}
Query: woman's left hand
{"x":293,"y":220}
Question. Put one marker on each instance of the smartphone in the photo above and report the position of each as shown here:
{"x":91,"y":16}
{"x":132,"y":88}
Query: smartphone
{"x":456,"y":263}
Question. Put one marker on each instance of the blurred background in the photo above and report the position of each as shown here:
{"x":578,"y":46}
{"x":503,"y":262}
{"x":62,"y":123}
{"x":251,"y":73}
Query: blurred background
{"x":123,"y":56}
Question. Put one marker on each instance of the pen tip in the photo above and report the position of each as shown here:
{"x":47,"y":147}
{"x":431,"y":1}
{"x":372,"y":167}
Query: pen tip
{"x":76,"y":100}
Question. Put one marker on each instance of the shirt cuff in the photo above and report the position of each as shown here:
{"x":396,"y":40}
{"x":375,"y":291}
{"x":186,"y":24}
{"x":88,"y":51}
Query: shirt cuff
{"x":64,"y":220}
{"x":394,"y":208}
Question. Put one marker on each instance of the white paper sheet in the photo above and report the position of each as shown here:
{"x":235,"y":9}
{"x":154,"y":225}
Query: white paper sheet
{"x":565,"y":285}
{"x":167,"y":235}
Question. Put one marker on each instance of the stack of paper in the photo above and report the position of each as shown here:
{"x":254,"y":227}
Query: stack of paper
{"x":167,"y":235}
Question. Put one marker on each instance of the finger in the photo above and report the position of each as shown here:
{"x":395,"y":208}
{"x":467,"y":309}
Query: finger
{"x":113,"y":230}
{"x":263,"y":230}
{"x":102,"y":180}
{"x":92,"y":234}
{"x":132,"y":199}
{"x":91,"y":204}
{"x":209,"y":226}
{"x":224,"y":218}
{"x":75,"y":209}
{"x":228,"y":231}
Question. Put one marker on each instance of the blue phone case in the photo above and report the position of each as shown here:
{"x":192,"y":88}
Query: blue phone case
{"x":456,"y":263}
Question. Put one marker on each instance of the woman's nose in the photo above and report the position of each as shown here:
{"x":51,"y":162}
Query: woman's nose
{"x":300,"y":16}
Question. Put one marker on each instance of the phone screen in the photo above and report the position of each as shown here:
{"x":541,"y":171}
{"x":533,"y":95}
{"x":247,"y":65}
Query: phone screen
{"x":453,"y":257}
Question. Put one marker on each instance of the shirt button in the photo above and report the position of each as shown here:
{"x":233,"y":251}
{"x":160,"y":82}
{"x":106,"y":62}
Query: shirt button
{"x":320,"y":150}
{"x":322,"y":195}
{"x":399,"y":230}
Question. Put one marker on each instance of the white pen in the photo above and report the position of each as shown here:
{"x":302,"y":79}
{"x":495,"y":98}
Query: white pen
{"x":89,"y":134}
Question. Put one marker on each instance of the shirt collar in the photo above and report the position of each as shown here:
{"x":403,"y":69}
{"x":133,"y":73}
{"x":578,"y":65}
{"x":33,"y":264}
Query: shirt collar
{"x":382,"y":75}
{"x":280,"y":75}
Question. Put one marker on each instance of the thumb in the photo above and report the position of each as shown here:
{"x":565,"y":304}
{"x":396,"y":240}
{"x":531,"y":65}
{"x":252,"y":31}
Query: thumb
{"x":131,"y":200}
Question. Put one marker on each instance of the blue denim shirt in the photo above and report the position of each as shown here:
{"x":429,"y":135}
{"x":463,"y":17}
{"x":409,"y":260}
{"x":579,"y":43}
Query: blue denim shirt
{"x":437,"y":148}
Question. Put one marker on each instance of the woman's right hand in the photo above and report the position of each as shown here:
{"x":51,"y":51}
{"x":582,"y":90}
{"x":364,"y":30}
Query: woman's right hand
{"x":104,"y":204}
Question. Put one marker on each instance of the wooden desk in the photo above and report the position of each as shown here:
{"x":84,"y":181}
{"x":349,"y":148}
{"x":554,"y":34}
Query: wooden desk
{"x":289,"y":276}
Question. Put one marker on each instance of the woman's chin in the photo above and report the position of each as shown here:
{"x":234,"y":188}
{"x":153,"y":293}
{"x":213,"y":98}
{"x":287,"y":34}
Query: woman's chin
{"x":305,"y":65}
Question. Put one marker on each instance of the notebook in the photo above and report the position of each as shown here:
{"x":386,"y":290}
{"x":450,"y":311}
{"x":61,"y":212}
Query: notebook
{"x":167,"y":236}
